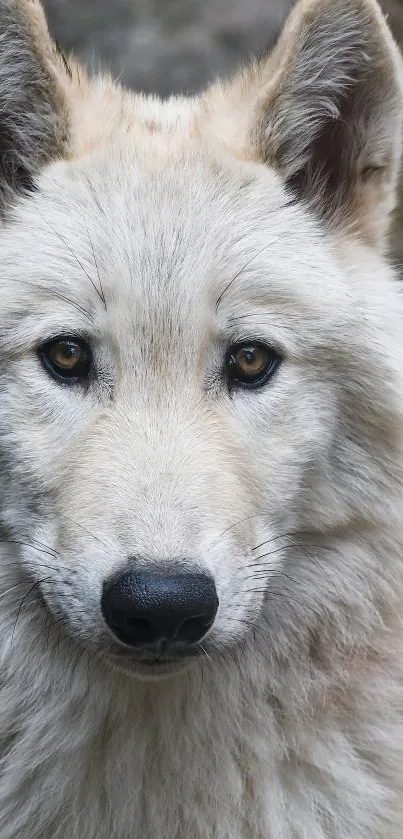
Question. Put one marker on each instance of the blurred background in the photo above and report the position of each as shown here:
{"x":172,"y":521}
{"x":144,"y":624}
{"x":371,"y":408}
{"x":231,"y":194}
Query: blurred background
{"x":175,"y":46}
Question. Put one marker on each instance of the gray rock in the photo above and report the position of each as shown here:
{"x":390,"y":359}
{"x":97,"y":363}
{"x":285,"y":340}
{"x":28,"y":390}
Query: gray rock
{"x":166,"y":45}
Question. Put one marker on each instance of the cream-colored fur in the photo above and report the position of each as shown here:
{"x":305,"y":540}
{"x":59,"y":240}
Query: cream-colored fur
{"x":163,"y":232}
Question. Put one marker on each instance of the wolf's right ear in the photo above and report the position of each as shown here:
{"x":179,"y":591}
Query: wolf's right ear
{"x":325,"y":110}
{"x":33,"y":120}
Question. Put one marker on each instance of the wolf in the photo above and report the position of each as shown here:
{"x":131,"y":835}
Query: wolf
{"x":201,"y":443}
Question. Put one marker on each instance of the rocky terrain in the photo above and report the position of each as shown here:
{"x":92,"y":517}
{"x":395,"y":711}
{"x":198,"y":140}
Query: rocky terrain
{"x":179,"y":45}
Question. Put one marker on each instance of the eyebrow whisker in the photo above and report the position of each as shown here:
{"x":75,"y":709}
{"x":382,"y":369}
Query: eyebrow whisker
{"x":252,"y":258}
{"x":74,"y":255}
{"x":101,"y":293}
{"x":60,"y":296}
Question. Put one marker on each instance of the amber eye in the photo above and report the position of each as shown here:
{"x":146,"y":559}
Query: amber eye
{"x":251,"y":364}
{"x":67,"y":359}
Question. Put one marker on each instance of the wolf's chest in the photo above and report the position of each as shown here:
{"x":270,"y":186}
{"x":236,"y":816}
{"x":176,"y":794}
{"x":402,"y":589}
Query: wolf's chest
{"x":184,"y":773}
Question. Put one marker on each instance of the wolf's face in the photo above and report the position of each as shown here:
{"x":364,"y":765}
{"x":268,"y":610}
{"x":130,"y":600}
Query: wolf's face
{"x":197,"y":356}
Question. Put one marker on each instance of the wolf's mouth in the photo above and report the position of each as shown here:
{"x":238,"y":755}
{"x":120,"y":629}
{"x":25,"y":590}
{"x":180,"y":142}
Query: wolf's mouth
{"x":157,"y":662}
{"x":152,"y":667}
{"x":159,"y":659}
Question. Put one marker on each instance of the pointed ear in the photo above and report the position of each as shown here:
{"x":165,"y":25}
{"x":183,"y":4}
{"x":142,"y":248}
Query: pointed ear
{"x":325,"y":109}
{"x":33,"y":121}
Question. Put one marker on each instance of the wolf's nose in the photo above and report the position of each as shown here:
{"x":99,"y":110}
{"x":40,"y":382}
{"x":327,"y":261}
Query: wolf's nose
{"x":143,"y":607}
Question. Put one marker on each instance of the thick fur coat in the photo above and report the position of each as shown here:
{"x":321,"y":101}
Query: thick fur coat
{"x":160,"y":234}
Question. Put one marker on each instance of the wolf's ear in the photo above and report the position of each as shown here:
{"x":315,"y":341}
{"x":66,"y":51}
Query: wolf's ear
{"x":32,"y":116}
{"x":325,"y":109}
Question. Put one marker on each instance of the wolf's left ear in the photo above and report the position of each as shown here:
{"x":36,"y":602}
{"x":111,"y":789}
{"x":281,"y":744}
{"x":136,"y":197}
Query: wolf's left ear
{"x":325,"y":109}
{"x":33,"y":122}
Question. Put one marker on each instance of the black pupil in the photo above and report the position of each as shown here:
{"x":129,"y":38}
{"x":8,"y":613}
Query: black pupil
{"x":69,"y":350}
{"x":248,"y":356}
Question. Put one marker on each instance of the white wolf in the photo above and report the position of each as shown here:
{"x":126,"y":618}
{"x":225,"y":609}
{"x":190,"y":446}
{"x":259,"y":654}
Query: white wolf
{"x":201,"y":444}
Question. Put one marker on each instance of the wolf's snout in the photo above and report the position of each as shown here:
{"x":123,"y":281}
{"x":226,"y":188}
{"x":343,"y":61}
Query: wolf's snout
{"x":144,"y":608}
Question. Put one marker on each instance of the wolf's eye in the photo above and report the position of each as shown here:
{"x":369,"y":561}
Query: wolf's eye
{"x":250,"y":364}
{"x":67,"y":359}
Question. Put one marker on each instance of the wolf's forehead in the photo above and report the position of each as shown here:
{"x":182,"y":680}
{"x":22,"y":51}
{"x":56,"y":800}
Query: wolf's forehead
{"x":186,"y":226}
{"x":191,"y":240}
{"x":170,"y":247}
{"x":180,"y":226}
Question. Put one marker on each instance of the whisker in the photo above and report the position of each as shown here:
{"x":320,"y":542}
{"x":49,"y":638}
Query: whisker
{"x":272,"y":539}
{"x":303,"y":548}
{"x":32,"y":588}
{"x":231,"y":526}
{"x":241,"y":620}
{"x":205,"y":653}
{"x":84,"y":529}
{"x":269,"y":573}
{"x":238,"y":274}
{"x":288,"y":536}
{"x":254,"y":628}
{"x":60,"y":296}
{"x":73,"y":254}
{"x":276,"y":551}
{"x":288,"y":597}
{"x":44,"y":549}
{"x":101,"y":295}
{"x":16,"y":585}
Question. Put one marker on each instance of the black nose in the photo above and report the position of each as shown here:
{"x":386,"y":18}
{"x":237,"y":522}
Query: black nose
{"x":146,"y":607}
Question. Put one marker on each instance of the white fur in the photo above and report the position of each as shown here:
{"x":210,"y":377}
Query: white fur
{"x":163,"y":248}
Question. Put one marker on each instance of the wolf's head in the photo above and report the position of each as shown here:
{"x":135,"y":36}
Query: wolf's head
{"x":200,"y":368}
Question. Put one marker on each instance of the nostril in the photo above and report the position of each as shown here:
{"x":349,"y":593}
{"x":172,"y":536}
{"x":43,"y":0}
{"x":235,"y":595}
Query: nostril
{"x":137,"y":628}
{"x":193,"y":629}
